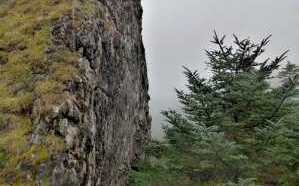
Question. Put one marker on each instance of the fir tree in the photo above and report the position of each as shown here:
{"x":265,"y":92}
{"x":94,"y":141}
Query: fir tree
{"x":236,"y":128}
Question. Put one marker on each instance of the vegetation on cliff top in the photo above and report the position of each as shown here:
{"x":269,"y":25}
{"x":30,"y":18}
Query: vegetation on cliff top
{"x":235,"y":129}
{"x":25,"y":71}
{"x":33,"y":68}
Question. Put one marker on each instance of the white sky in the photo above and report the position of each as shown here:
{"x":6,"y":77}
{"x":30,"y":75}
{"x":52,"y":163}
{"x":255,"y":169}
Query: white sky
{"x":176,"y":33}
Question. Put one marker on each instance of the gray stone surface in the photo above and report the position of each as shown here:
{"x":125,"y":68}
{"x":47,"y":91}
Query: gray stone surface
{"x":105,"y":119}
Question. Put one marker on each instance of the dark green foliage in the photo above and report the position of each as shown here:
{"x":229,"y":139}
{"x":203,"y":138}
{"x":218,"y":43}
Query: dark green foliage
{"x":235,"y":128}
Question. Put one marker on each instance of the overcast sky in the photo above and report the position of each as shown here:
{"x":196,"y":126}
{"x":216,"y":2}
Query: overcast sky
{"x":176,"y":33}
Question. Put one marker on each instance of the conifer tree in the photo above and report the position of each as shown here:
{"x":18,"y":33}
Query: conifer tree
{"x":236,"y":128}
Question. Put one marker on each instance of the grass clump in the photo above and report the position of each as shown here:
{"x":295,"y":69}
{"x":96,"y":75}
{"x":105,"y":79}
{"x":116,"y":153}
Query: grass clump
{"x":3,"y":157}
{"x":16,"y":104}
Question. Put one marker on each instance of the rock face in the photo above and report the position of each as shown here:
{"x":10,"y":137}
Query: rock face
{"x":104,"y":120}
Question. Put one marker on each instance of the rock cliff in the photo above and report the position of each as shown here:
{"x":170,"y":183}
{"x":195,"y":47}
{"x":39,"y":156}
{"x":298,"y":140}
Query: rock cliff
{"x":86,"y":106}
